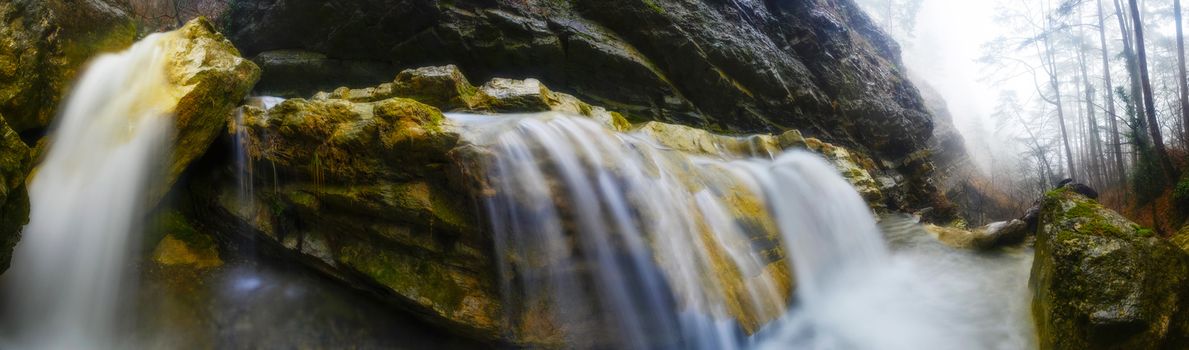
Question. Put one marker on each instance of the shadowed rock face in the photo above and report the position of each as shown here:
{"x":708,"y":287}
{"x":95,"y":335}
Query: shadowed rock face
{"x":1102,"y":282}
{"x":816,"y":65}
{"x":14,"y":200}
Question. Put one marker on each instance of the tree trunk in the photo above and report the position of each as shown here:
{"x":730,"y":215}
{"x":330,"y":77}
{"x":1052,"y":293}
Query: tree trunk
{"x":1149,"y":101}
{"x":1056,"y":86}
{"x":1092,"y":140}
{"x":1109,"y":101}
{"x":1139,"y":122}
{"x":1181,"y":74}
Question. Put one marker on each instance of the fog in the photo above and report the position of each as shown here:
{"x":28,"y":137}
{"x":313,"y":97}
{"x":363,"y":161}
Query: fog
{"x":944,"y":52}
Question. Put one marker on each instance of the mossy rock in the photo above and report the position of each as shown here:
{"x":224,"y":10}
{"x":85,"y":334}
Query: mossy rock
{"x":1101,"y":282}
{"x":54,"y":39}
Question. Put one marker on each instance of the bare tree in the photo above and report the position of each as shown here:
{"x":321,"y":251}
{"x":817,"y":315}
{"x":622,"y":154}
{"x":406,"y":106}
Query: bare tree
{"x":1149,"y":101}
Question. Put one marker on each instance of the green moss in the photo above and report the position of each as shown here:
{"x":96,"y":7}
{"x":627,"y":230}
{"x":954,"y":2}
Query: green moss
{"x":1083,"y":209}
{"x":175,"y":223}
{"x":1100,"y":227}
{"x":654,"y":6}
{"x":429,"y":284}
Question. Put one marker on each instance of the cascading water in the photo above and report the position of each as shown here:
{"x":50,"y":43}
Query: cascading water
{"x":616,"y":241}
{"x":87,"y":200}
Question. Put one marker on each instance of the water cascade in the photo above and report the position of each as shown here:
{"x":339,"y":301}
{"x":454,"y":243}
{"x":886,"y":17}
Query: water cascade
{"x":600,"y":238}
{"x":88,"y":200}
{"x":614,"y":240}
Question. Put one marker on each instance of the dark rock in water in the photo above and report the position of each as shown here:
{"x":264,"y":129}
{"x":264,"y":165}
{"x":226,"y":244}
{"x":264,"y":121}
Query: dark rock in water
{"x":821,"y":67}
{"x":1032,"y":216}
{"x":1102,"y":282}
{"x":52,"y":38}
{"x":1002,"y":234}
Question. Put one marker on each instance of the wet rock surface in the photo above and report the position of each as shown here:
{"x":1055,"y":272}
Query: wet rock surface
{"x":820,"y":67}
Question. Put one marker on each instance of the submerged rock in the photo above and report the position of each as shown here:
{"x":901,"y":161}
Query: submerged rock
{"x":1102,"y":282}
{"x":43,"y":46}
{"x":991,"y":236}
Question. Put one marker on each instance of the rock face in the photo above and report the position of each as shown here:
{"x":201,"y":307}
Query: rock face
{"x":52,"y":38}
{"x":956,"y":176}
{"x":818,"y":66}
{"x":14,"y":201}
{"x":1102,"y":282}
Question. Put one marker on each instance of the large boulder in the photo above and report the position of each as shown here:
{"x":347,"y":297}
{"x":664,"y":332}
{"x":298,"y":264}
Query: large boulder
{"x":365,"y":185}
{"x":1102,"y":282}
{"x":207,"y":79}
{"x":376,"y":188}
{"x":821,"y":67}
{"x":14,"y":200}
{"x":53,"y":39}
{"x":362,"y":191}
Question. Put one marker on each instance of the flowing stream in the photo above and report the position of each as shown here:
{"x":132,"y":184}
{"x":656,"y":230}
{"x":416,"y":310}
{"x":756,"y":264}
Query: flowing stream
{"x":640,"y":246}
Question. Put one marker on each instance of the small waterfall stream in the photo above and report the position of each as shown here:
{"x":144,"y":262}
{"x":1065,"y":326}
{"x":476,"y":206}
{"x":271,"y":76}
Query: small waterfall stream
{"x":88,"y":200}
{"x":615,"y":240}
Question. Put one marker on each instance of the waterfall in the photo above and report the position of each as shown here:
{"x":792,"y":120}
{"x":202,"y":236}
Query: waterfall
{"x":616,"y":241}
{"x":88,"y":198}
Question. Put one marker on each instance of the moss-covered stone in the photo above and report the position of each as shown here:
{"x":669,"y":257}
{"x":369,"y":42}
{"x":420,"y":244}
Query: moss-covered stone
{"x":53,"y":39}
{"x":171,"y":251}
{"x":449,"y":291}
{"x":857,"y":169}
{"x":360,"y":183}
{"x":442,"y":86}
{"x":1100,"y":283}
